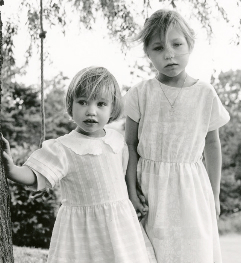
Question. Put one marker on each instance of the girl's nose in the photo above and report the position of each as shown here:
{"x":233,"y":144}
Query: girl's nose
{"x":169,"y":53}
{"x":91,"y":110}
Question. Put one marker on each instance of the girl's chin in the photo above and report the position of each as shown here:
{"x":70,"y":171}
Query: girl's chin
{"x":91,"y":132}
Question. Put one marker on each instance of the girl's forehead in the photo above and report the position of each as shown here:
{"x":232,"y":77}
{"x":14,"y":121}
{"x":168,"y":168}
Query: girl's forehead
{"x":172,"y":34}
{"x":101,"y":94}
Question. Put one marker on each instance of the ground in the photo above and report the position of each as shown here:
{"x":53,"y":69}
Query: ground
{"x":231,"y":248}
{"x":230,"y":244}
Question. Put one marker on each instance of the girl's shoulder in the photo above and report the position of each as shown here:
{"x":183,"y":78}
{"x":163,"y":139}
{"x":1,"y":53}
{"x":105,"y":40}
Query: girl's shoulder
{"x":205,"y":87}
{"x":53,"y":145}
{"x":142,"y":87}
{"x":51,"y":149}
{"x":82,"y":145}
{"x":144,"y":84}
{"x":114,"y":139}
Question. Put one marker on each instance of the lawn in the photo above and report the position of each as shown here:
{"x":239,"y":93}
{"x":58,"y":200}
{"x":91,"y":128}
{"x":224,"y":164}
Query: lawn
{"x":29,"y":255}
{"x":230,"y":244}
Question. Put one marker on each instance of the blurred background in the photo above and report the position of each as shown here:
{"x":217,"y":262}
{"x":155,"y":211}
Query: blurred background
{"x":97,"y":32}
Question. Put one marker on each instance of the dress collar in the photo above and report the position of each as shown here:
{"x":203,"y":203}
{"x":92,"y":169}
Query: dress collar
{"x":82,"y":144}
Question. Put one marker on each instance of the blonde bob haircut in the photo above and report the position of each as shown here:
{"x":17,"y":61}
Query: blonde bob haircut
{"x":160,"y":22}
{"x":94,"y":83}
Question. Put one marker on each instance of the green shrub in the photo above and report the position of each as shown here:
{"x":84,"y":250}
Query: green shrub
{"x":32,"y":220}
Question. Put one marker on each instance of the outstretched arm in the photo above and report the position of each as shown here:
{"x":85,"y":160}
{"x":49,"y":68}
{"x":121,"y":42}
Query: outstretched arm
{"x":213,"y":159}
{"x":131,"y":134}
{"x":22,"y":175}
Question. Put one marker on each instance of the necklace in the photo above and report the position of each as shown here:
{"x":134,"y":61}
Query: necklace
{"x":172,"y":110}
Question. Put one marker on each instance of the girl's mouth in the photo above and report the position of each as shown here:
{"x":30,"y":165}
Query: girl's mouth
{"x":90,"y":121}
{"x":170,"y":65}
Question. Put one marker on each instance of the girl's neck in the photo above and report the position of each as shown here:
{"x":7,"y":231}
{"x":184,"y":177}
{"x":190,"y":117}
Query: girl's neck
{"x":97,"y":134}
{"x":176,"y":81}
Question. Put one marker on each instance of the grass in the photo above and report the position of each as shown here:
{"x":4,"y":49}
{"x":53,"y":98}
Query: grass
{"x":29,"y":255}
{"x":227,"y":225}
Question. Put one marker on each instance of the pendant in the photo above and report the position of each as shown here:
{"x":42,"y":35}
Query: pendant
{"x":172,"y":111}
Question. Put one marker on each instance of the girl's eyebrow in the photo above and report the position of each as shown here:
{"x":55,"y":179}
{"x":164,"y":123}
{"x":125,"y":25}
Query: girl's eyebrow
{"x":157,"y":43}
{"x":177,"y":39}
{"x":104,"y":99}
{"x":80,"y":98}
{"x":85,"y":98}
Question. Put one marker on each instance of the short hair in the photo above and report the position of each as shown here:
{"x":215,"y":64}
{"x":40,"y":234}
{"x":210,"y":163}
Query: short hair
{"x":95,"y":82}
{"x":160,"y":22}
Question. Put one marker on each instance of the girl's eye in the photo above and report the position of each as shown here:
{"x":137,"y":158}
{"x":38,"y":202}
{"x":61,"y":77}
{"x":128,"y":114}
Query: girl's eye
{"x":158,"y":48}
{"x":102,"y":104}
{"x":177,"y":45}
{"x":82,"y":102}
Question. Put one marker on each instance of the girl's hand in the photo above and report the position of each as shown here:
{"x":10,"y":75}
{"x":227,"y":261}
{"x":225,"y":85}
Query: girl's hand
{"x":145,"y":210}
{"x":22,"y":175}
{"x":7,"y":157}
{"x":139,"y":205}
{"x":44,"y":194}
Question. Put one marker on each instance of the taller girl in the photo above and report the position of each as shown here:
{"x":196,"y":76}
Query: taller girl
{"x":171,"y":120}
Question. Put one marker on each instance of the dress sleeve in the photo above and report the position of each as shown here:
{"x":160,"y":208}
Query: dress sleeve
{"x":219,"y":115}
{"x":49,"y":162}
{"x":42,"y":182}
{"x":125,"y":158}
{"x":131,"y":102}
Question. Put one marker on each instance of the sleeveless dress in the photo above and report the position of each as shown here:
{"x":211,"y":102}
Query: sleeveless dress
{"x":96,"y":221}
{"x":181,"y":223}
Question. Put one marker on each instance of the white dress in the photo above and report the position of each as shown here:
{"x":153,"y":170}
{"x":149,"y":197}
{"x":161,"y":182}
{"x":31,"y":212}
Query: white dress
{"x":96,"y":221}
{"x":181,"y":223}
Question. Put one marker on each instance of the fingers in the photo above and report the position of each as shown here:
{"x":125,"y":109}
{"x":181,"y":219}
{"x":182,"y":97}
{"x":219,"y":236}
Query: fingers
{"x":7,"y":156}
{"x":6,"y":149}
{"x":5,"y":144}
{"x":142,"y":198}
{"x":143,"y":202}
{"x":139,"y":203}
{"x":40,"y":194}
{"x":141,"y":210}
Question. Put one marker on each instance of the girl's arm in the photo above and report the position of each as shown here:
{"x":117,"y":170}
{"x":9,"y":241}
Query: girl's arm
{"x":213,"y":159}
{"x":131,"y":135}
{"x":22,"y":175}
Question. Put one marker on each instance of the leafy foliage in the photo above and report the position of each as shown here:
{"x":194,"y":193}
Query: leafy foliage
{"x":32,"y":220}
{"x":228,"y":86}
{"x":122,"y":18}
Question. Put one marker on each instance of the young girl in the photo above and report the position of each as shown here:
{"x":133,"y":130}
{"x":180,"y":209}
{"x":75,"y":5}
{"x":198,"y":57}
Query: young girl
{"x":171,"y":120}
{"x":96,"y":222}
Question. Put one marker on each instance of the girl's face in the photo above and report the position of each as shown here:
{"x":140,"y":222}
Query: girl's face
{"x":91,"y":115}
{"x":171,"y":55}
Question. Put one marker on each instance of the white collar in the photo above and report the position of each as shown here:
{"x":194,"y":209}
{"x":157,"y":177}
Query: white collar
{"x":82,"y":144}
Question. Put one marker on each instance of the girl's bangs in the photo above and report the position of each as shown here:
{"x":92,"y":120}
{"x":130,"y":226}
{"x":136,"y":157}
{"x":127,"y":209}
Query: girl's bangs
{"x":96,"y":89}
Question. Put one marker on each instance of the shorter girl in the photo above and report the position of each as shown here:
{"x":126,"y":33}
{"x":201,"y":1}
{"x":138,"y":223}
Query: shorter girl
{"x":96,"y":222}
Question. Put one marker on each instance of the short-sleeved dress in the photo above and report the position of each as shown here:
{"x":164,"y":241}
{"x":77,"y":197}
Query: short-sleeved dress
{"x":181,"y":223}
{"x":96,"y":221}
